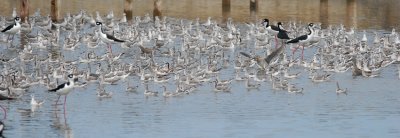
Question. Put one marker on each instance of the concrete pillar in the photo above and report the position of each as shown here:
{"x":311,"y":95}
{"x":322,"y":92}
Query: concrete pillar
{"x":55,"y":10}
{"x":323,"y":13}
{"x":226,"y":10}
{"x":24,"y":9}
{"x":157,"y":8}
{"x":253,"y":9}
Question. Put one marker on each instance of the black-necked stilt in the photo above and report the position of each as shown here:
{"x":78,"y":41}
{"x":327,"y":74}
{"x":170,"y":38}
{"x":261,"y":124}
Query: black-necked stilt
{"x":271,"y":29}
{"x":64,"y":89}
{"x":106,"y":38}
{"x":282,"y":34}
{"x":13,"y":28}
{"x":302,"y":39}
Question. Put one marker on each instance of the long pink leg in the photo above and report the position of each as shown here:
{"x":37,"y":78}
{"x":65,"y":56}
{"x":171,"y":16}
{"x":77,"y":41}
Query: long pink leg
{"x":302,"y":54}
{"x":5,"y":112}
{"x":276,"y":41}
{"x":293,"y":51}
{"x":109,"y":49}
{"x":58,"y":99}
{"x":65,"y":103}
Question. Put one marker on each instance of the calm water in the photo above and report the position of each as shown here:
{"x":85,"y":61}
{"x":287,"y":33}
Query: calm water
{"x":371,"y":108}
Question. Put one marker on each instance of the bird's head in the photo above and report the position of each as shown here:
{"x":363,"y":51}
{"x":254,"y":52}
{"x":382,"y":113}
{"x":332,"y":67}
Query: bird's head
{"x":70,"y":76}
{"x":280,"y":25}
{"x":265,"y":21}
{"x":17,"y":19}
{"x":99,"y":23}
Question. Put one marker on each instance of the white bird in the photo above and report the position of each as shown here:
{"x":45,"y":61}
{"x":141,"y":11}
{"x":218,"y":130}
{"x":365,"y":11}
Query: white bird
{"x":34,"y":102}
{"x":14,"y":13}
{"x":364,"y":38}
{"x":339,"y":90}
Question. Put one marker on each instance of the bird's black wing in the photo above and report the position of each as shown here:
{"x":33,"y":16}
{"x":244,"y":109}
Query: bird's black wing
{"x":298,"y":39}
{"x":3,"y":97}
{"x":59,"y":87}
{"x":246,"y":55}
{"x":113,"y":38}
{"x":8,"y":28}
{"x":273,"y":54}
{"x":283,"y":35}
{"x":275,"y":28}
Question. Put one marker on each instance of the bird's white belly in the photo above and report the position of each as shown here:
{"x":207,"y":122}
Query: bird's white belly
{"x":14,"y":30}
{"x":64,"y":91}
{"x":104,"y":38}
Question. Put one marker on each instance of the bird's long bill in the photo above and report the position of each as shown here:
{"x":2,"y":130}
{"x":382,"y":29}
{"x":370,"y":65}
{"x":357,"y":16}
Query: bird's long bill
{"x":245,"y":54}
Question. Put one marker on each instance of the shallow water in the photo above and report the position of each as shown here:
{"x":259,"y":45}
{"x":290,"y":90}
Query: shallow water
{"x":371,"y":108}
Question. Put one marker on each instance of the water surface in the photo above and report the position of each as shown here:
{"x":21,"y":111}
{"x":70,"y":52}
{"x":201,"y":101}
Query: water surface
{"x":371,"y":108}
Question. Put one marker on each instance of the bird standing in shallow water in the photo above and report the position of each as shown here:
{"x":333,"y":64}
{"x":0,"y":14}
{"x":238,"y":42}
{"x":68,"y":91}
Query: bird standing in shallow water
{"x":282,"y":34}
{"x":340,"y":90}
{"x":302,"y":40}
{"x":64,"y":89}
{"x":106,"y":38}
{"x":13,"y":28}
{"x":271,"y":29}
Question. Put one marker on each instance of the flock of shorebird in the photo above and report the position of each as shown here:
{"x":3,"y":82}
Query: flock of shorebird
{"x":186,"y":54}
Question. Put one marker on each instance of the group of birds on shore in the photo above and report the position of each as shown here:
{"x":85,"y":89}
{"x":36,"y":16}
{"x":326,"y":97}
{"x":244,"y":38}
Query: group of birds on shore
{"x":180,"y":54}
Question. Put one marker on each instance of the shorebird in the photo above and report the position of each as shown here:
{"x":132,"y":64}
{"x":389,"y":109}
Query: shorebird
{"x":13,"y":28}
{"x":302,"y":40}
{"x":293,"y":89}
{"x":282,"y":34}
{"x":6,"y":97}
{"x":340,"y":90}
{"x":64,"y":89}
{"x":271,"y":29}
{"x":261,"y":62}
{"x":131,"y":88}
{"x":106,"y":38}
{"x":101,"y":93}
{"x":35,"y":102}
{"x":221,"y":87}
{"x":147,"y":92}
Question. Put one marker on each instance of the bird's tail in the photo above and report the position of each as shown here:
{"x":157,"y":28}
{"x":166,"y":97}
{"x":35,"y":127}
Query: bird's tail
{"x":117,"y":40}
{"x":292,"y":41}
{"x":52,"y":90}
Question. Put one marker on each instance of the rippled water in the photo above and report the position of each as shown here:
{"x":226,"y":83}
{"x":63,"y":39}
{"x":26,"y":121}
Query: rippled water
{"x":371,"y":108}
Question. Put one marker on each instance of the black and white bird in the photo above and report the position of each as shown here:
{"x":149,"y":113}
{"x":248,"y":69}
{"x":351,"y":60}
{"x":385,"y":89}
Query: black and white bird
{"x":271,"y":29}
{"x":282,"y":34}
{"x":106,"y":38}
{"x":302,"y":39}
{"x":13,"y":28}
{"x":64,"y":89}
